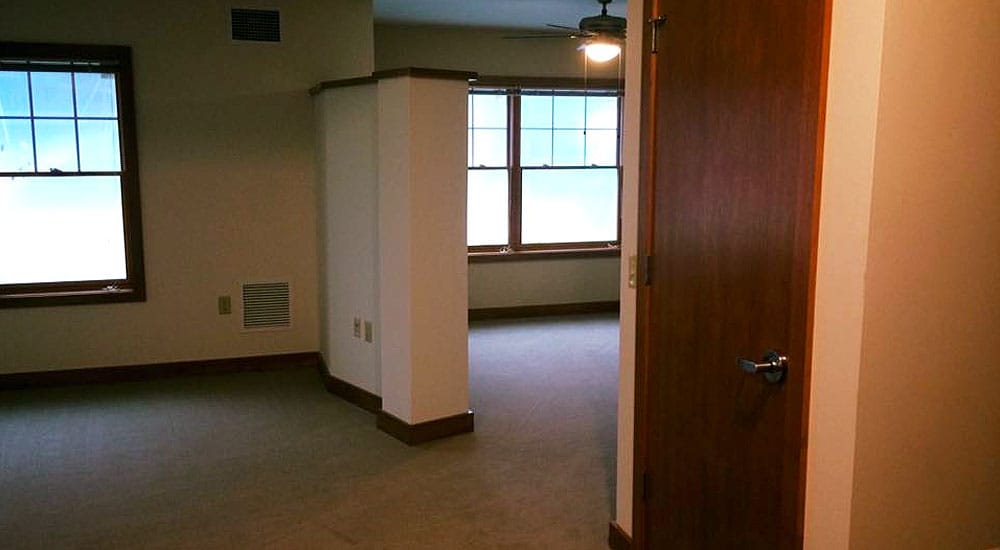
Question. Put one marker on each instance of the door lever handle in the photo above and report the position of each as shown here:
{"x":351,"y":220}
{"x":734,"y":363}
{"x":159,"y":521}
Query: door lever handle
{"x":774,"y":366}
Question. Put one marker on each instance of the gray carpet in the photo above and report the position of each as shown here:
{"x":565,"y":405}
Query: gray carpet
{"x":270,"y":460}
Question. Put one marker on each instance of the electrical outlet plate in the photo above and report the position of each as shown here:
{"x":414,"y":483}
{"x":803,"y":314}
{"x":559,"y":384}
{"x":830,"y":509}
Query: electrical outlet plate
{"x":368,"y":331}
{"x":357,"y":327}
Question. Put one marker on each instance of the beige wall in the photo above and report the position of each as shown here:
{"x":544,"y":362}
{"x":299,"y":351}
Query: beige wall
{"x":630,"y":204}
{"x":558,"y":281}
{"x":927,"y":464}
{"x":348,"y":231}
{"x":227,"y":171}
{"x":503,"y":284}
{"x":481,"y":50}
{"x":849,"y":150}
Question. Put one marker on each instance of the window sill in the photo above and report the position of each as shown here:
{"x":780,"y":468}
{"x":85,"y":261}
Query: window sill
{"x":71,"y":297}
{"x":529,"y":255}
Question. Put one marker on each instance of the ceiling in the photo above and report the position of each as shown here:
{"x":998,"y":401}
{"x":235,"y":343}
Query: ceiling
{"x":514,"y":14}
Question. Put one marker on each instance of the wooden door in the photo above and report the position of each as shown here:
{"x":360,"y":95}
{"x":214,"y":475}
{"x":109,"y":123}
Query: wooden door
{"x":732,"y":125}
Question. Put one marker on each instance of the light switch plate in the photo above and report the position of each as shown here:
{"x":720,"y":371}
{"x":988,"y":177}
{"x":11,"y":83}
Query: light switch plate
{"x":225,"y":305}
{"x":368,"y":331}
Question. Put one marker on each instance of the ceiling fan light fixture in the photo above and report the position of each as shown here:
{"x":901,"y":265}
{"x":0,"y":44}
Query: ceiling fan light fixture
{"x":600,"y":51}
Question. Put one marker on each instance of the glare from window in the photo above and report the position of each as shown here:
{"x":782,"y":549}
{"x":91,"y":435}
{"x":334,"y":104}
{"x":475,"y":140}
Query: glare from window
{"x":489,"y":111}
{"x":488,"y":130}
{"x":487,"y":221}
{"x":61,"y":229}
{"x":489,"y":147}
{"x":601,"y":147}
{"x":564,"y":206}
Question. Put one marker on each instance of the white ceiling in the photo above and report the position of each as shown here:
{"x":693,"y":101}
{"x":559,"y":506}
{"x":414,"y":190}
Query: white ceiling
{"x":514,"y":14}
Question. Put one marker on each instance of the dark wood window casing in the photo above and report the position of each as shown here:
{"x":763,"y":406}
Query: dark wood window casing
{"x":71,"y":58}
{"x":514,"y":249}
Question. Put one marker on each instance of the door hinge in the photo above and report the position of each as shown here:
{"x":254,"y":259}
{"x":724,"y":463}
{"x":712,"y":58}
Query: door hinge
{"x":647,"y":270}
{"x":645,"y":485}
{"x":655,"y":23}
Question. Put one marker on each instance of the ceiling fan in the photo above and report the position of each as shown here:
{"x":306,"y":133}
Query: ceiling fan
{"x":602,"y":35}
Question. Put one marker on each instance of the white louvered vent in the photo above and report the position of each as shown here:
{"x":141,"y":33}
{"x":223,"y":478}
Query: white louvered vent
{"x":266,"y":306}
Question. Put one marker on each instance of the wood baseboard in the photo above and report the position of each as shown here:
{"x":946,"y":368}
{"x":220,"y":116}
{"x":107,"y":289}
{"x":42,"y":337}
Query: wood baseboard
{"x":576,"y":308}
{"x":132,"y":373}
{"x":617,"y":538}
{"x":415,"y":434}
{"x":354,"y":395}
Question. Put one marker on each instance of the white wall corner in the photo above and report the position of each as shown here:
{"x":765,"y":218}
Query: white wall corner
{"x":845,"y":208}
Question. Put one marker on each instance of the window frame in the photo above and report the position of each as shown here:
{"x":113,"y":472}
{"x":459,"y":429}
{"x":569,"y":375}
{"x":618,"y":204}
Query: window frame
{"x":79,"y":58}
{"x":512,"y":89}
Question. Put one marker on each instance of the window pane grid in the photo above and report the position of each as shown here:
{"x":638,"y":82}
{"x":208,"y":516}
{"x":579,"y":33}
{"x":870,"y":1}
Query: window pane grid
{"x":76,"y":124}
{"x":578,"y":126}
{"x":60,"y":152}
{"x":488,"y":198}
{"x":70,"y":224}
{"x":564,"y":177}
{"x":31,"y":111}
{"x":16,"y":117}
{"x":487,"y":129}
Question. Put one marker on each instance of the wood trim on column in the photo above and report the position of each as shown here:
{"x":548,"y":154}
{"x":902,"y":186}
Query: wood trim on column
{"x":415,"y":72}
{"x":618,"y":539}
{"x":415,"y":434}
{"x":151,"y":371}
{"x":424,"y":72}
{"x":547,"y":82}
{"x":342,"y":83}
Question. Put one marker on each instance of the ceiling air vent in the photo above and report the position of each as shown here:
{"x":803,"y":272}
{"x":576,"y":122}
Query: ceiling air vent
{"x":256,"y":25}
{"x":266,"y":306}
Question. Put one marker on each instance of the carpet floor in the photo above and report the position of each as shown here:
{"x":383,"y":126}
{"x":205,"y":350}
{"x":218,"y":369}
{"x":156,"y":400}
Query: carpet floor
{"x":270,"y":460}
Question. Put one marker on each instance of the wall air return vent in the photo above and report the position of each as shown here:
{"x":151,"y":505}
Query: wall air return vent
{"x":266,"y":306}
{"x":255,"y":25}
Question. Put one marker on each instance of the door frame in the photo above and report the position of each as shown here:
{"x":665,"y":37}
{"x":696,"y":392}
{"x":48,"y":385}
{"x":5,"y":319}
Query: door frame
{"x":645,"y":229}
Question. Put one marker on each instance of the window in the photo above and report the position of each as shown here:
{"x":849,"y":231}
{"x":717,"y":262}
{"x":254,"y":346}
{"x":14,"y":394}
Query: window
{"x":544,"y":170}
{"x":70,"y":229}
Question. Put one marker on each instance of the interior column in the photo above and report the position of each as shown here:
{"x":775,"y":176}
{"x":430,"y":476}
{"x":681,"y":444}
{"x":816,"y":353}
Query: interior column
{"x":423,"y":282}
